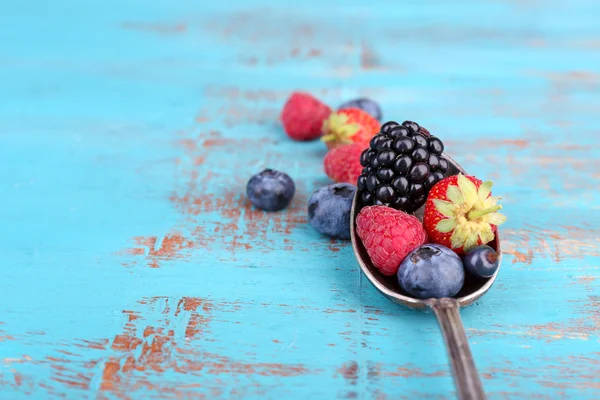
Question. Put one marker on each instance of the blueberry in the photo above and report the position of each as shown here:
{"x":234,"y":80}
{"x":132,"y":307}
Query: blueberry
{"x":481,"y":261}
{"x":430,"y":271}
{"x":329,"y":210}
{"x":367,"y":105}
{"x":270,"y":190}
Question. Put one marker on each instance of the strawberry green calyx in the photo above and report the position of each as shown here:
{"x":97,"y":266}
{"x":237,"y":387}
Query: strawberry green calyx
{"x":338,"y":128}
{"x":470,"y":213}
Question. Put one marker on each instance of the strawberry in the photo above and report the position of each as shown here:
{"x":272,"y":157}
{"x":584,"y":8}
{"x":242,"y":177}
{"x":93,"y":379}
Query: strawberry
{"x":303,"y":116}
{"x":461,"y":213}
{"x":388,"y":236}
{"x":349,"y":125}
{"x":342,"y":164}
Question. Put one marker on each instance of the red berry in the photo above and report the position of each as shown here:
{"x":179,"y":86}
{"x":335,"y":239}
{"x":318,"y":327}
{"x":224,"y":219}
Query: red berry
{"x":342,"y":164}
{"x":303,"y":115}
{"x":461,"y":213}
{"x":349,"y":125}
{"x":388,"y":236}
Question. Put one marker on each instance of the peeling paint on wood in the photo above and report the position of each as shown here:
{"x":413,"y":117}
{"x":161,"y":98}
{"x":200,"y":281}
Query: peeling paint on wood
{"x":135,"y":268}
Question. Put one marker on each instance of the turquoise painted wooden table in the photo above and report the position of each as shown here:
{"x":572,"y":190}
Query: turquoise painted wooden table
{"x":133,"y":267}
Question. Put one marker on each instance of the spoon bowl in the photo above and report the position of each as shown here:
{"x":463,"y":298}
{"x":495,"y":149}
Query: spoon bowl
{"x":446,"y":310}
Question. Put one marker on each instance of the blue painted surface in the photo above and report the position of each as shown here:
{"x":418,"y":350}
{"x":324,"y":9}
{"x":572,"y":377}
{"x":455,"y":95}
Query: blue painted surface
{"x":133,"y":268}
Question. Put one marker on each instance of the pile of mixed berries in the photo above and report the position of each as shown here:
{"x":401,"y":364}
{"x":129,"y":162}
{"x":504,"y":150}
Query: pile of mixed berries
{"x":391,"y":171}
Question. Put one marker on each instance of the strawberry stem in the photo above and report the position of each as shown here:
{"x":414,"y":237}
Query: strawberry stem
{"x":480,"y":213}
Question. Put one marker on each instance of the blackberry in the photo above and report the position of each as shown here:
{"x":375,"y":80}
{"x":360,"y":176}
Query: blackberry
{"x":401,"y":165}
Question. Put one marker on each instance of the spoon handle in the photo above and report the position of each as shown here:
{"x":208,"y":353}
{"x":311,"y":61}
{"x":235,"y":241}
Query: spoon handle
{"x":465,"y":373}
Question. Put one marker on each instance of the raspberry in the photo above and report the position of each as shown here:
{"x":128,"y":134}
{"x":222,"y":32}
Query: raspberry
{"x":388,"y":236}
{"x":342,"y":164}
{"x":303,"y":116}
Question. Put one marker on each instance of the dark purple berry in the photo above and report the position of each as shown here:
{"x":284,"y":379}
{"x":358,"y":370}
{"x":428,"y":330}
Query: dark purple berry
{"x":385,"y":174}
{"x":366,"y":197}
{"x":433,"y":161}
{"x":386,"y":144}
{"x":401,"y":203}
{"x":438,"y":175}
{"x":403,"y":145}
{"x":436,"y":146}
{"x":430,"y":181}
{"x":375,"y":163}
{"x":412,"y":126}
{"x":361,"y":182}
{"x":372,"y":183}
{"x":421,"y":199}
{"x":385,"y":128}
{"x":401,"y":185}
{"x":376,"y":140}
{"x":416,"y":191}
{"x":386,"y":157}
{"x":365,"y":158}
{"x":420,"y":140}
{"x":402,"y":164}
{"x":443,"y":165}
{"x":420,"y":154}
{"x":385,"y":193}
{"x":398,"y":131}
{"x":418,"y":173}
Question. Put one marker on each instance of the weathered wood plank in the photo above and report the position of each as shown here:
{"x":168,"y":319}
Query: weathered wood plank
{"x":134,"y":268}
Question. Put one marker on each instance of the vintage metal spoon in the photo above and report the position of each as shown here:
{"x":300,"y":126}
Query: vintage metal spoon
{"x":466,"y":377}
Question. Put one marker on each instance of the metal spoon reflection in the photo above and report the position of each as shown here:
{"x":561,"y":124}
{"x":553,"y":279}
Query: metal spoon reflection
{"x":466,"y":377}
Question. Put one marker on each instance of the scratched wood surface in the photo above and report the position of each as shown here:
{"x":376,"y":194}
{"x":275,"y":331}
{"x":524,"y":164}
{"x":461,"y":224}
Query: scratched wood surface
{"x":133,"y":267}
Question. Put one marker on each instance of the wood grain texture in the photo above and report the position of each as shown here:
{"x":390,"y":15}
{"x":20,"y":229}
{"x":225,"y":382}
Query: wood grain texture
{"x":134,"y":268}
